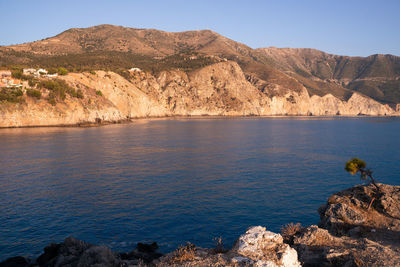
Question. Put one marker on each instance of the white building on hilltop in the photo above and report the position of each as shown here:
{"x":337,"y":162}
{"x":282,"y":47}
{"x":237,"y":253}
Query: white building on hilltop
{"x":35,"y":72}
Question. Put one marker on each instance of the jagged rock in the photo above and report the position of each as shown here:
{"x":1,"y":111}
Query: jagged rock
{"x":265,"y":248}
{"x":147,"y":248}
{"x":257,"y":247}
{"x":354,"y":235}
{"x":15,"y":262}
{"x":74,"y":252}
{"x":98,"y":256}
{"x":143,"y":252}
{"x":389,"y":201}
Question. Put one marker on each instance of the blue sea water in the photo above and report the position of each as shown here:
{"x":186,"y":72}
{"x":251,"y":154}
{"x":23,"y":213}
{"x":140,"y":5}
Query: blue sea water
{"x":177,"y":180}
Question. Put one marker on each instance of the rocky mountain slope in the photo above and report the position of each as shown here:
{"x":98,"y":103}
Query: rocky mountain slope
{"x":195,"y":73}
{"x":377,"y":76}
{"x":349,"y":234}
{"x":220,"y":89}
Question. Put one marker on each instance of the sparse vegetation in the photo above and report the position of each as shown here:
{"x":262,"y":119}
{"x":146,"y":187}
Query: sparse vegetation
{"x":99,"y":93}
{"x":13,"y":95}
{"x":34,"y":93}
{"x":114,"y":61}
{"x":79,"y":93}
{"x":356,"y":165}
{"x":52,"y":71}
{"x":58,"y":90}
{"x":289,"y":230}
{"x":17,"y":73}
{"x":62,"y":71}
{"x":184,"y":253}
{"x":219,"y":245}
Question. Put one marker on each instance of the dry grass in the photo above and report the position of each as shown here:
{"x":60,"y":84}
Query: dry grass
{"x":219,"y":245}
{"x":358,"y":261}
{"x":289,"y":230}
{"x":184,"y":253}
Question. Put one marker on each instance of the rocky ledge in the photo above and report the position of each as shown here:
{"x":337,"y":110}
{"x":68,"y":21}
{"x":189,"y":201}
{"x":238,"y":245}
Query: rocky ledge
{"x":350,"y":233}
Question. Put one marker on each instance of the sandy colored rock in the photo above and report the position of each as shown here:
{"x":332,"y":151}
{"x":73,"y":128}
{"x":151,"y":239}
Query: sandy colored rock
{"x":350,"y":233}
{"x":221,"y":89}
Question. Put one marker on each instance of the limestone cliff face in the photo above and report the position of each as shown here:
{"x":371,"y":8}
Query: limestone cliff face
{"x":41,"y":113}
{"x":219,"y":89}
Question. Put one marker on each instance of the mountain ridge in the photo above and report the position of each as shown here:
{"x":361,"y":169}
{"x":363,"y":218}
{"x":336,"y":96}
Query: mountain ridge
{"x":376,"y":76}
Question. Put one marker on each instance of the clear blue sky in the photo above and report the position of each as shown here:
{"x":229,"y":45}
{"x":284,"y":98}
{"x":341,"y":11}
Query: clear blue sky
{"x":345,"y":27}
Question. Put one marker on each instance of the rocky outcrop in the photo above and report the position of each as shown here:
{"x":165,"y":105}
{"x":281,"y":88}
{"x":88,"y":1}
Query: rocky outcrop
{"x":265,"y":248}
{"x":350,"y":234}
{"x":74,"y":252}
{"x":219,"y":90}
{"x":256,"y":247}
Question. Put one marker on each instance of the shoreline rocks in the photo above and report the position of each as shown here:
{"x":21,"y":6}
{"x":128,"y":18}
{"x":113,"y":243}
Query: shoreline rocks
{"x":349,"y":234}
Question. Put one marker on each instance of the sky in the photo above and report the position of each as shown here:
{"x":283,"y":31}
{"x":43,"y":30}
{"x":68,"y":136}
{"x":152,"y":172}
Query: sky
{"x":343,"y":27}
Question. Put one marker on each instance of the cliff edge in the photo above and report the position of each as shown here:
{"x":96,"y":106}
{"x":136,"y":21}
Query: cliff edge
{"x":221,"y":89}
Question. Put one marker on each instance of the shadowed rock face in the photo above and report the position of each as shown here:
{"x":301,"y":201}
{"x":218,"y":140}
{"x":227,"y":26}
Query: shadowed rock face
{"x":74,"y":252}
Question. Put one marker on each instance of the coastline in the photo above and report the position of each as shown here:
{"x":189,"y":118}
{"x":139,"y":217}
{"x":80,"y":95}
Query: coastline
{"x":348,"y":234}
{"x":87,"y":124}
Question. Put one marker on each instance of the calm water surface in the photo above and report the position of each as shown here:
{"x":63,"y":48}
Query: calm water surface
{"x":178,"y":180}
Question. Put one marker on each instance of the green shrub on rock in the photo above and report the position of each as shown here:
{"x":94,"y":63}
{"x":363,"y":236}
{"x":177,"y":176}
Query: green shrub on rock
{"x":62,"y":71}
{"x":34,"y":93}
{"x":12,"y":95}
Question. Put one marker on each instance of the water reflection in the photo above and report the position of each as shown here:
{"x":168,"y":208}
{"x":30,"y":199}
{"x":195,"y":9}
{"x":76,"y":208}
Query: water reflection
{"x":177,"y":180}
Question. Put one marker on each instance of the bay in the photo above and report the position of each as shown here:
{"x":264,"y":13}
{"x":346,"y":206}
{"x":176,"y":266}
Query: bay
{"x":182,"y":179}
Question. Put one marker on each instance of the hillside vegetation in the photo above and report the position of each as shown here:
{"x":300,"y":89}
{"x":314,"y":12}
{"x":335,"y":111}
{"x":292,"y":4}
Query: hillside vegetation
{"x":273,"y":71}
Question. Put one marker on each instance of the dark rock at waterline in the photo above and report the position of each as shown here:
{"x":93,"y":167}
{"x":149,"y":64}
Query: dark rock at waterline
{"x":74,"y":252}
{"x":15,"y":262}
{"x":143,"y":252}
{"x":147,"y":248}
{"x":50,"y":253}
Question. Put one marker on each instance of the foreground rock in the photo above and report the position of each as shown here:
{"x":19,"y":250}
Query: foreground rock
{"x":350,"y":234}
{"x":256,"y":247}
{"x":74,"y":252}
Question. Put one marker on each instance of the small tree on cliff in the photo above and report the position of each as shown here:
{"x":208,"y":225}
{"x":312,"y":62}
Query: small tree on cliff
{"x":356,"y":165}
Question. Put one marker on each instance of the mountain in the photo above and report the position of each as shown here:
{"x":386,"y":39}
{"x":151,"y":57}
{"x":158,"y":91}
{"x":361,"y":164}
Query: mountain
{"x":147,"y":48}
{"x":377,"y":76}
{"x":188,"y":73}
{"x":271,"y":68}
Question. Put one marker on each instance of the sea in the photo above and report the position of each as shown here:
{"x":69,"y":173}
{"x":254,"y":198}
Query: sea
{"x":178,"y":180}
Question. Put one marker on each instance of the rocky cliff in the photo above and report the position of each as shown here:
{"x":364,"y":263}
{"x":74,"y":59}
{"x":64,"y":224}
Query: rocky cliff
{"x":280,"y":70}
{"x":220,"y":89}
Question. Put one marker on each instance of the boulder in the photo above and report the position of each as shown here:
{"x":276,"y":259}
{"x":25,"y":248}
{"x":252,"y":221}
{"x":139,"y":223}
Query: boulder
{"x":265,"y":248}
{"x":74,"y":252}
{"x":15,"y":262}
{"x":143,"y":252}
